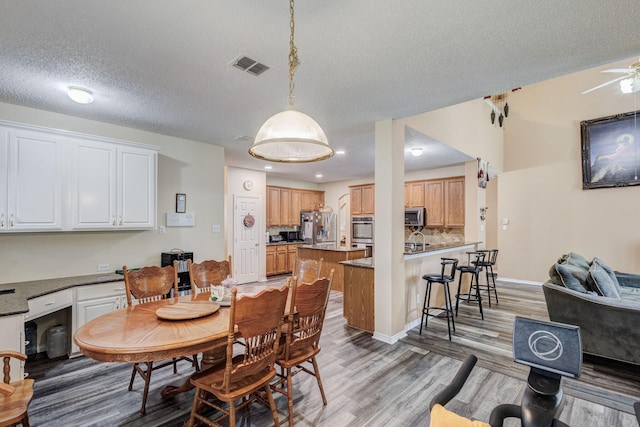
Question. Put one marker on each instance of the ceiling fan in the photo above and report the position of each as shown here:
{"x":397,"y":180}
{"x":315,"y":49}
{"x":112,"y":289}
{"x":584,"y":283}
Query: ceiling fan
{"x":632,"y":73}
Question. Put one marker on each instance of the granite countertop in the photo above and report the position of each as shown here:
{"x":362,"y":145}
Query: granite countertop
{"x":16,"y":303}
{"x":285,"y":243}
{"x":331,"y":247}
{"x":360,"y":262}
{"x":439,"y":246}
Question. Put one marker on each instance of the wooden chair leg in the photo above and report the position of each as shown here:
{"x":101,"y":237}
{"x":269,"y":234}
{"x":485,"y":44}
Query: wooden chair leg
{"x":194,"y":408}
{"x":232,"y":412}
{"x":272,"y":406}
{"x":25,"y":420}
{"x":317,"y":375}
{"x":147,"y":380}
{"x":290,"y":395}
{"x":133,"y":376}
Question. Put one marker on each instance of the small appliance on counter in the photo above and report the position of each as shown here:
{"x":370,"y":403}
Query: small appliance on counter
{"x":291,"y":236}
{"x":276,"y":238}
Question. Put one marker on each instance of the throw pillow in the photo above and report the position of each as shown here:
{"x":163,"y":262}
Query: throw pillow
{"x":609,"y":271}
{"x":441,"y":417}
{"x":572,"y":277}
{"x":599,"y":279}
{"x":578,"y":260}
{"x":554,"y":276}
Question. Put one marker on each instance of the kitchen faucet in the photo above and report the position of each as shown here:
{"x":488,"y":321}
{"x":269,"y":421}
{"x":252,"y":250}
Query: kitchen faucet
{"x":412,"y":235}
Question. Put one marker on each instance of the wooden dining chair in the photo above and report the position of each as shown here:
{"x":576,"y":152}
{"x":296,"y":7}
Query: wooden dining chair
{"x":302,"y":341}
{"x":255,"y":322}
{"x":150,"y":284}
{"x":14,"y":396}
{"x":208,"y":273}
{"x":307,"y":270}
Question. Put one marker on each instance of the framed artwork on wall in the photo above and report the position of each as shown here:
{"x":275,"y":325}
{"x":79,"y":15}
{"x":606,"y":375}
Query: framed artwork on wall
{"x":610,"y":151}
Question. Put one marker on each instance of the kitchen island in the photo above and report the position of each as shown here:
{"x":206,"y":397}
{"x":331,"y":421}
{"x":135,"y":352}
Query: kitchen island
{"x":359,"y":287}
{"x":331,"y":254}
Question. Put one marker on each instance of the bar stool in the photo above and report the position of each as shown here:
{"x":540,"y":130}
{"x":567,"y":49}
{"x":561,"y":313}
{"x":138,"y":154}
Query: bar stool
{"x":447,"y":275}
{"x":473,"y":268}
{"x":489,"y":262}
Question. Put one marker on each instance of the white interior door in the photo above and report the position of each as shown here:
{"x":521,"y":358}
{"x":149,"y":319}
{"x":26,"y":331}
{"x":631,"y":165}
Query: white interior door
{"x":246,"y":231}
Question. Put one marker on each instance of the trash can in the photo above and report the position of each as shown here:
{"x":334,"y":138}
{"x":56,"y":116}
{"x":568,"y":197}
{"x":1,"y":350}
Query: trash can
{"x":31,"y":339}
{"x":56,"y":341}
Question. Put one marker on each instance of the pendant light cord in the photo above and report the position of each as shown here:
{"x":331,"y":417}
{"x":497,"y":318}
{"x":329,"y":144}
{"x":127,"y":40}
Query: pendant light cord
{"x":293,"y":55}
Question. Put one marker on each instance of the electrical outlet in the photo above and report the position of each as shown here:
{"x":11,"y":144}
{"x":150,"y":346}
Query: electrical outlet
{"x":162,"y":229}
{"x":417,"y":298}
{"x":104,"y":267}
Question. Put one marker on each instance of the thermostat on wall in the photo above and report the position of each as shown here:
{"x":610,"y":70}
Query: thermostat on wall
{"x":187,"y":219}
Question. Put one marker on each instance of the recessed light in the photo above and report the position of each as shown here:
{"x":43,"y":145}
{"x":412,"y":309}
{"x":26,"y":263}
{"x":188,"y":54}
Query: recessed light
{"x":416,"y":151}
{"x":80,"y":95}
{"x":268,"y":167}
{"x":318,"y":175}
{"x":339,"y":151}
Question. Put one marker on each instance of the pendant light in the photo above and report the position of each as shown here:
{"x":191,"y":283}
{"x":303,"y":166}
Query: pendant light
{"x":291,"y":136}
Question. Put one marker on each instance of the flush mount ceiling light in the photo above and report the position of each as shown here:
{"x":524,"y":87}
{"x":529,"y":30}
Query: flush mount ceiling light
{"x":416,"y":151}
{"x":291,"y":136}
{"x":80,"y":95}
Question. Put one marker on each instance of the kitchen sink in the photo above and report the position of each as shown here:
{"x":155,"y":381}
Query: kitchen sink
{"x":415,"y":247}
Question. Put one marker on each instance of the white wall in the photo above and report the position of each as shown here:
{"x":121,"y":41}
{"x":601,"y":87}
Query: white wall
{"x":541,"y":192}
{"x":193,"y":168}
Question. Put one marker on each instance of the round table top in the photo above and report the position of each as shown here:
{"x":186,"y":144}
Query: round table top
{"x":136,"y":334}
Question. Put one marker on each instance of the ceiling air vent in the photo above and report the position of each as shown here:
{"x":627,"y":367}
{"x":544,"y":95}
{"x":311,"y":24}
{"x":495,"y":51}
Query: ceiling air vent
{"x":249,"y":65}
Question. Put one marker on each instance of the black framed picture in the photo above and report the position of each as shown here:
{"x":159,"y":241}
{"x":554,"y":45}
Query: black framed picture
{"x":181,"y":203}
{"x":611,"y":151}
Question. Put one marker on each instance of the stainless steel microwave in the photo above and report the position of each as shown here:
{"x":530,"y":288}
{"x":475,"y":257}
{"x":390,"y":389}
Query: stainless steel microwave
{"x":414,"y":217}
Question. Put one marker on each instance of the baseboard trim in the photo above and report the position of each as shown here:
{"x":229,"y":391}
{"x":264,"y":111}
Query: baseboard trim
{"x":389,"y":339}
{"x":519,"y":281}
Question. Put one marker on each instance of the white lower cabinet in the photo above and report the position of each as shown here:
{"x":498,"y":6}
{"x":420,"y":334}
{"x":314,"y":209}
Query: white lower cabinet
{"x":95,"y":300}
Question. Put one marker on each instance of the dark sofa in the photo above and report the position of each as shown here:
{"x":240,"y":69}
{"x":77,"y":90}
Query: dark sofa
{"x":609,"y":325}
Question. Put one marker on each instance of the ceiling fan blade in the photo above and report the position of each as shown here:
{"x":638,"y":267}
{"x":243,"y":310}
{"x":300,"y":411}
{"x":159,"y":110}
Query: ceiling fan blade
{"x":605,"y":84}
{"x":618,"y":70}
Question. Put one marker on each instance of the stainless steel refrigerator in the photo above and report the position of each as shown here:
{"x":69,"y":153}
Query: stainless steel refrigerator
{"x":318,"y":226}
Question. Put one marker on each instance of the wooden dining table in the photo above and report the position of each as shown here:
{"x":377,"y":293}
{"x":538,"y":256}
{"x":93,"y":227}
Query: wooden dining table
{"x":137,"y":334}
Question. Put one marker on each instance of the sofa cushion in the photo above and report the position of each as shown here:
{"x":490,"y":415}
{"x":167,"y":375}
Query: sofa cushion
{"x":599,"y":280}
{"x":609,"y":271}
{"x":631,"y":294}
{"x":578,"y":260}
{"x":572,"y":277}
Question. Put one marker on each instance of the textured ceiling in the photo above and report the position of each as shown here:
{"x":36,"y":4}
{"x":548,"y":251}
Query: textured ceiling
{"x":164,"y":66}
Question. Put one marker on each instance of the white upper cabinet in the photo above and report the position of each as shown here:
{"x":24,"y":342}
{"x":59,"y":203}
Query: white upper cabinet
{"x":136,"y":187}
{"x":112,"y":186}
{"x":54,"y":180}
{"x":31,"y":184}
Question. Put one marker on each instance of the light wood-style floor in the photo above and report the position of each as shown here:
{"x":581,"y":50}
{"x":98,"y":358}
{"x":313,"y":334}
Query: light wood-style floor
{"x":367,"y":382}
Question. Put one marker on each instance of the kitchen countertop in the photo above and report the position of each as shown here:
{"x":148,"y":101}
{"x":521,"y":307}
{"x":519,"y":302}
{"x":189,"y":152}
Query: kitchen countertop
{"x":16,"y":303}
{"x":440,"y":246}
{"x":300,"y":242}
{"x":331,"y":247}
{"x":360,"y":262}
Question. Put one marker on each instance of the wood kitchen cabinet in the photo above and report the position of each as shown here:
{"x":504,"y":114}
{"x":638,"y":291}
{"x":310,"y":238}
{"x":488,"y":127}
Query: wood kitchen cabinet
{"x":284,"y":204}
{"x":362,"y":199}
{"x":31,"y":185}
{"x":270,"y":264}
{"x":444,"y":202}
{"x":281,"y":259}
{"x":434,"y":203}
{"x":273,"y":206}
{"x":359,"y":297}
{"x":454,"y":202}
{"x":414,"y":194}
